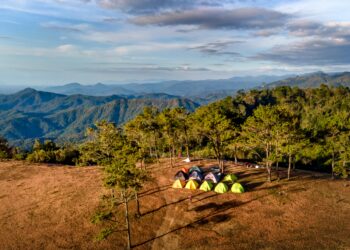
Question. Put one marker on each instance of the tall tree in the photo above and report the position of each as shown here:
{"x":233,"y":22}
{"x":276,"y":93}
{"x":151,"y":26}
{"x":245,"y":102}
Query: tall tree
{"x":258,"y":130}
{"x":213,"y":123}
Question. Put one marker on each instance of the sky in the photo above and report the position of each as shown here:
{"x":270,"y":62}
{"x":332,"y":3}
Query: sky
{"x":53,"y":42}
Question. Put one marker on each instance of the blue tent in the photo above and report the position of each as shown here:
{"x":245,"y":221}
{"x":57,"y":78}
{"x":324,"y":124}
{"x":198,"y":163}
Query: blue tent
{"x":181,"y":176}
{"x":195,"y":168}
{"x":195,"y":175}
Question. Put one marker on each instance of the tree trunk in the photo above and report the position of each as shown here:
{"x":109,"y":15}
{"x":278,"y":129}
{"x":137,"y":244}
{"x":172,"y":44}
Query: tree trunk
{"x":236,"y":155}
{"x":137,"y":205}
{"x":127,"y":222}
{"x":277,"y":164}
{"x":268,"y":172}
{"x":289,"y":165}
{"x":268,"y":167}
{"x":187,"y":151}
{"x":277,"y":171}
{"x":333,"y":164}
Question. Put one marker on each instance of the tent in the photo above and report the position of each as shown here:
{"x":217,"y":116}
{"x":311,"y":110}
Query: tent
{"x":185,"y":170}
{"x":195,"y":168}
{"x":221,"y":188}
{"x":187,"y":160}
{"x":237,"y":188}
{"x":215,"y":169}
{"x":230,"y":178}
{"x":181,"y":176}
{"x":195,"y":175}
{"x":212,"y":177}
{"x":206,"y":186}
{"x":192,"y":184}
{"x":179,"y":184}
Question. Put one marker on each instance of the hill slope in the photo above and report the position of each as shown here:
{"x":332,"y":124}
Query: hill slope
{"x":31,"y":114}
{"x":314,"y":80}
{"x":51,"y":206}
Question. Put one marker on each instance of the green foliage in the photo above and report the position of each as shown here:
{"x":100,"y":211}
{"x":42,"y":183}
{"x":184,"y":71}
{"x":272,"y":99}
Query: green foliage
{"x":49,"y":152}
{"x":5,"y":149}
{"x":104,"y":233}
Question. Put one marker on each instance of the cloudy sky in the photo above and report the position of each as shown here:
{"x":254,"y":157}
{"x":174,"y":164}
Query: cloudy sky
{"x":53,"y":42}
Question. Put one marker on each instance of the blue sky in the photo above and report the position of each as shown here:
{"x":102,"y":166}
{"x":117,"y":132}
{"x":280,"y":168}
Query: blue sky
{"x":51,"y":42}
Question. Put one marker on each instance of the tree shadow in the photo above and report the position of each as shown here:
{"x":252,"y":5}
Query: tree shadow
{"x":204,"y":198}
{"x":214,"y":216}
{"x":249,"y":186}
{"x":154,"y":190}
{"x":169,"y":204}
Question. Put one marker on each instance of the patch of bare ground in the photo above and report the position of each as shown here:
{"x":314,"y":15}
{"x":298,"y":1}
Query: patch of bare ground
{"x":49,"y":207}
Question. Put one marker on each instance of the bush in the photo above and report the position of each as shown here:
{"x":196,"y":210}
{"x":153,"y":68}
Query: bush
{"x":4,"y":155}
{"x":41,"y":156}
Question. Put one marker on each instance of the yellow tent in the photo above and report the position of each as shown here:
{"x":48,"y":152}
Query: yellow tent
{"x":179,"y":184}
{"x":206,"y":186}
{"x":237,"y":188}
{"x":230,"y":178}
{"x":221,"y":188}
{"x":192,"y":184}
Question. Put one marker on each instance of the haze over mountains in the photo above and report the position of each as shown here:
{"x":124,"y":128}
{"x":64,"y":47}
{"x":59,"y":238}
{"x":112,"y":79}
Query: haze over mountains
{"x":179,"y":88}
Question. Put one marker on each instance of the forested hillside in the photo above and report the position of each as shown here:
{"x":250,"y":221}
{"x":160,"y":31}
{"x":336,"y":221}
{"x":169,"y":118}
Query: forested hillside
{"x":314,"y":80}
{"x":32,"y":114}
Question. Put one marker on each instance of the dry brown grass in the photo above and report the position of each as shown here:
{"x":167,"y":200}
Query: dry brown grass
{"x":49,"y":207}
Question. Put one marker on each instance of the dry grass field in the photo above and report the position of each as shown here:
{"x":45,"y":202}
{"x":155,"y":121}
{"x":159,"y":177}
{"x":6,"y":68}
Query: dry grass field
{"x":50,"y":206}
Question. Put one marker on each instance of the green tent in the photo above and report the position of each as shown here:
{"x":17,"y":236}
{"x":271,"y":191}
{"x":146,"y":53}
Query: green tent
{"x":230,"y":178}
{"x":206,"y":186}
{"x":221,"y":188}
{"x":237,"y":188}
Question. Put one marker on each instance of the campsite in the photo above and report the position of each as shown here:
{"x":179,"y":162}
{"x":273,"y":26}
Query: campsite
{"x":49,"y":206}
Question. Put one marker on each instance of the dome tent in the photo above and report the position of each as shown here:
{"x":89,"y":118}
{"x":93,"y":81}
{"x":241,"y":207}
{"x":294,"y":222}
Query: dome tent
{"x":230,"y":178}
{"x":237,"y":188}
{"x":195,"y":175}
{"x":192,"y":184}
{"x":181,"y":176}
{"x":179,"y":184}
{"x":185,"y":170}
{"x":195,"y":168}
{"x":212,"y":177}
{"x":221,"y":188}
{"x":206,"y":186}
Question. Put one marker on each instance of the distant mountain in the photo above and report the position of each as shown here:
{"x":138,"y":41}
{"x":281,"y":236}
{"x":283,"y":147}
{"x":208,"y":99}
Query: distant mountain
{"x":31,"y":114}
{"x":197,"y":89}
{"x":314,"y":80}
{"x":98,"y":89}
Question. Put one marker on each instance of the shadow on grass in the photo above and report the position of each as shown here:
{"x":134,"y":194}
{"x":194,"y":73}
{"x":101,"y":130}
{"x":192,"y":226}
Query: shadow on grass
{"x":154,"y":190}
{"x":213,"y":216}
{"x":169,"y":204}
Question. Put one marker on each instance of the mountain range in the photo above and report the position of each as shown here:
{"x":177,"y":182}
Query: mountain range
{"x":200,"y":88}
{"x":31,"y":114}
{"x":64,"y":112}
{"x":314,"y":80}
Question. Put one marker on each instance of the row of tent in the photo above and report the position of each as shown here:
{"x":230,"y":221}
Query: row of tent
{"x":207,"y":186}
{"x":195,"y":175}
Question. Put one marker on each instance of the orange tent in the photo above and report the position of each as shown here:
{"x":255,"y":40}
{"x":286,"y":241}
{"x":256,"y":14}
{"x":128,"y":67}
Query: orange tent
{"x":185,"y":170}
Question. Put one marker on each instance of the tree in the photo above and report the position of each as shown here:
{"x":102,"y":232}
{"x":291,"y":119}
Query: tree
{"x":5,"y":149}
{"x":110,"y":148}
{"x":258,"y":131}
{"x":213,"y":123}
{"x":169,"y":124}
